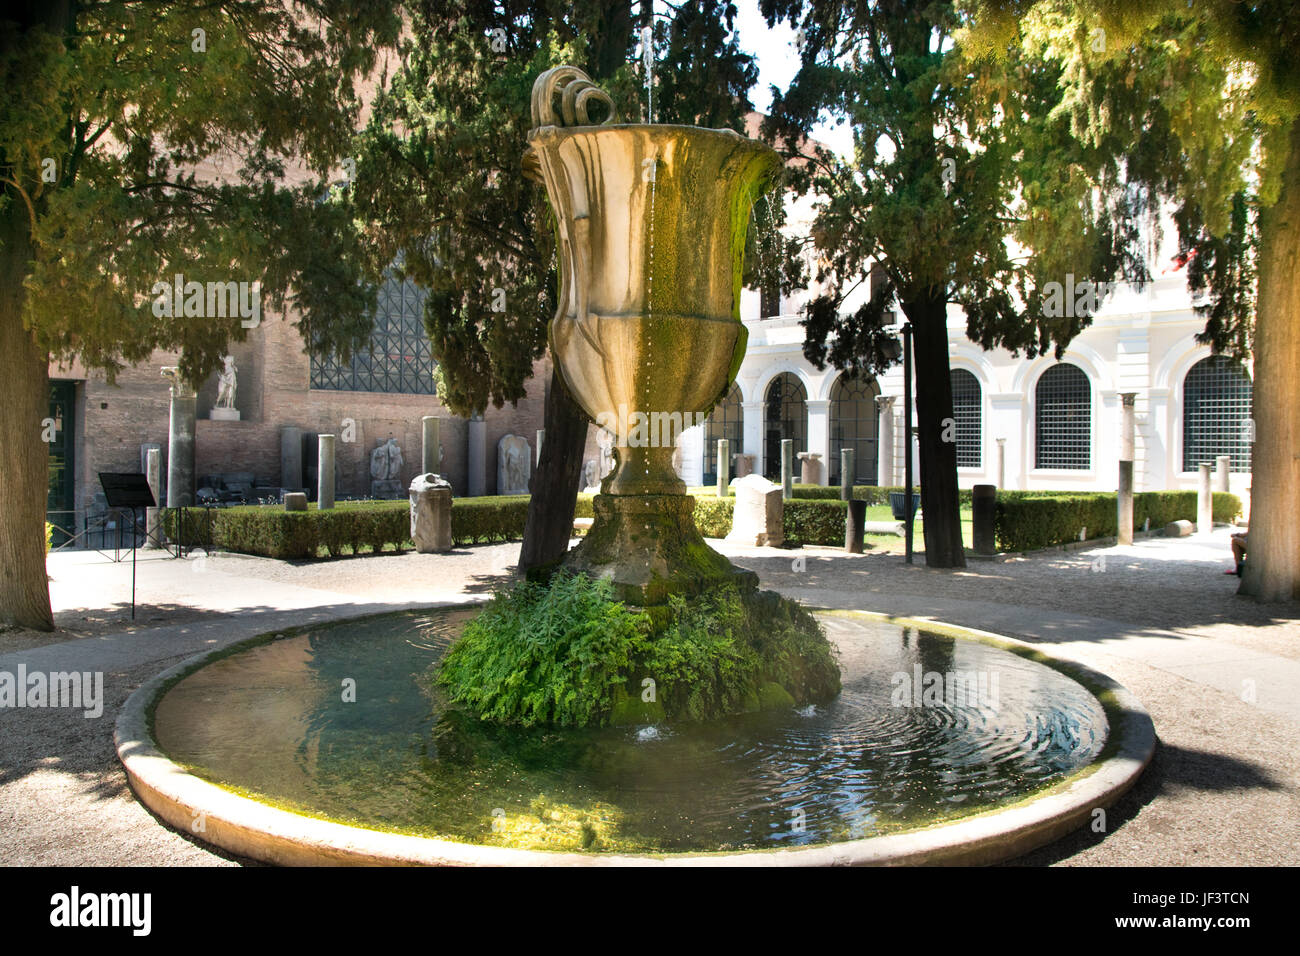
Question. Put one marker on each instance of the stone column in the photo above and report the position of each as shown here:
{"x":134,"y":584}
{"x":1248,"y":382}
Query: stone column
{"x":1204,"y":501}
{"x":810,"y":468}
{"x":848,"y":468}
{"x":1222,"y":469}
{"x":291,"y":458}
{"x":1002,"y":462}
{"x":476,"y":455}
{"x":855,"y":516}
{"x":787,"y":468}
{"x":753,"y":439}
{"x":180,"y":446}
{"x":885,"y":472}
{"x":984,"y":503}
{"x":153,"y":474}
{"x":324,"y":472}
{"x":541,"y":435}
{"x":1124,"y":499}
{"x":819,"y":430}
{"x":724,"y":467}
{"x":431,"y":445}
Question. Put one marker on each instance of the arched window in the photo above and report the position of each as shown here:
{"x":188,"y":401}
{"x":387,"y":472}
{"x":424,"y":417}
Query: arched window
{"x":785,"y":415}
{"x":967,"y":413}
{"x":854,"y":424}
{"x":726,"y":421}
{"x":1216,"y":413}
{"x":1063,"y":418}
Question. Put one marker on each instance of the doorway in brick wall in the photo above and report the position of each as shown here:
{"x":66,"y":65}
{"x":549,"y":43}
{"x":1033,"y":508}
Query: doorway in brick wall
{"x":60,"y":502}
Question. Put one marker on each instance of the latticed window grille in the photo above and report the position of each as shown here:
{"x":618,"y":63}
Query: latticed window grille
{"x":854,"y":424}
{"x":785,"y":416}
{"x":1217,"y":395}
{"x":967,"y":413}
{"x":399,"y":357}
{"x":726,"y":421}
{"x":1063,"y":419}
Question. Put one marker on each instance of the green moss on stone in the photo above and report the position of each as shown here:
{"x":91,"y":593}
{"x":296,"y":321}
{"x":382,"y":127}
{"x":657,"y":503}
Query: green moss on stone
{"x":772,"y":696}
{"x":633,"y":708}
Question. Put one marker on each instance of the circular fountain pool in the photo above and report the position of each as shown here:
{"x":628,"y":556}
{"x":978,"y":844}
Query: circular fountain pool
{"x":343,"y":723}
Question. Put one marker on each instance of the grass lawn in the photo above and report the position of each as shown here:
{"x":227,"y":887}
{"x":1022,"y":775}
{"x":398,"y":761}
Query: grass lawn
{"x":894,"y":543}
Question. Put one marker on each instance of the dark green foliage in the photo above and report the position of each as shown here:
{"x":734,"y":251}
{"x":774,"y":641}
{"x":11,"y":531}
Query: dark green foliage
{"x":713,"y":515}
{"x":568,"y":654}
{"x":272,"y":532}
{"x":486,"y":520}
{"x":1022,"y":523}
{"x":545,"y":655}
{"x":132,"y":115}
{"x":1028,"y":520}
{"x":813,"y":522}
{"x":815,"y":519}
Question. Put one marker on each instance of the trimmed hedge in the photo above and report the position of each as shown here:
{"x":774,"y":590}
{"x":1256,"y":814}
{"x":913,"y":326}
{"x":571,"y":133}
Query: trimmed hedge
{"x":871,"y":494}
{"x":1026,"y":520}
{"x":1023,"y":521}
{"x":272,"y":532}
{"x":804,"y":520}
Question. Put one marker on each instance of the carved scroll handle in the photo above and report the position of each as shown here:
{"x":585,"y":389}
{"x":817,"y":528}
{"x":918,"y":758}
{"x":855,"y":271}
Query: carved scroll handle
{"x":575,"y":93}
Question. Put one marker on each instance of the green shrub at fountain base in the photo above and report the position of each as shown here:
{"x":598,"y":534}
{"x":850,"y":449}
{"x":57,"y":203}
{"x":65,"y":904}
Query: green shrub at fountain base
{"x":569,"y":654}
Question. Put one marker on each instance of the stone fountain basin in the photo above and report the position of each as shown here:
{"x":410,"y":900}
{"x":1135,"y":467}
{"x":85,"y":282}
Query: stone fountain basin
{"x":254,"y":829}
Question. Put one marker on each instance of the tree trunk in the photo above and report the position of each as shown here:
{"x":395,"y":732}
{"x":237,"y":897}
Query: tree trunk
{"x":939,"y":498}
{"x":554,"y":485}
{"x":24,"y":475}
{"x":1272,"y":571}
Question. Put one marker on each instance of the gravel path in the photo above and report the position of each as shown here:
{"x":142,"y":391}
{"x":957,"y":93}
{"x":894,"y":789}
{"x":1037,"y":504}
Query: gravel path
{"x":1158,"y":616}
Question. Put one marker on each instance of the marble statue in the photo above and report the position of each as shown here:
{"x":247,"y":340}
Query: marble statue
{"x":513,"y":461}
{"x":606,"y":442}
{"x":227,"y":380}
{"x":386,"y":462}
{"x":386,"y":471}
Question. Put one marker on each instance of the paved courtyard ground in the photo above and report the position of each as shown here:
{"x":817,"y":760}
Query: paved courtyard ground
{"x":1159,"y":616}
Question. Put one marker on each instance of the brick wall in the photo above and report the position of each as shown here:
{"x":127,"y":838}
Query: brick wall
{"x":273,"y":376}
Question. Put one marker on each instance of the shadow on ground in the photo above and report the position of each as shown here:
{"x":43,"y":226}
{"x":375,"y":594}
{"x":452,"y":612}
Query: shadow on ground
{"x":1146,"y":596}
{"x":1172,"y":769}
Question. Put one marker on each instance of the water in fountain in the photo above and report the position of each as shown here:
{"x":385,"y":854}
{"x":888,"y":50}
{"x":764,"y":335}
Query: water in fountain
{"x":767,"y":233}
{"x":270,"y":722}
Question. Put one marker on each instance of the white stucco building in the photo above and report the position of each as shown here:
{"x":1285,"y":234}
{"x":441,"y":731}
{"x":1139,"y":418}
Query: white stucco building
{"x":1021,"y":423}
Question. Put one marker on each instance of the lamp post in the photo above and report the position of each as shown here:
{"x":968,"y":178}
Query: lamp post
{"x":892,"y":350}
{"x":907,"y":440}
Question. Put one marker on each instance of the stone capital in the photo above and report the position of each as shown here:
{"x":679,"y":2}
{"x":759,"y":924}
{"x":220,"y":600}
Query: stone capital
{"x":885,"y":403}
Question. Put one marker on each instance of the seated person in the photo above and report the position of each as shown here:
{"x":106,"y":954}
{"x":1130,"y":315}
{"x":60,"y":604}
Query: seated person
{"x":1238,"y":543}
